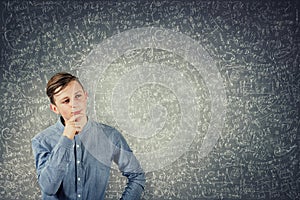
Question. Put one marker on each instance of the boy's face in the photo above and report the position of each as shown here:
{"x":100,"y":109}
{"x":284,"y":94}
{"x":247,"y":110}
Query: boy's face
{"x":70,"y":101}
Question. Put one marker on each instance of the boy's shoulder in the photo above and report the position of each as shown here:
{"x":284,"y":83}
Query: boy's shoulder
{"x":48,"y":132}
{"x":106,"y":129}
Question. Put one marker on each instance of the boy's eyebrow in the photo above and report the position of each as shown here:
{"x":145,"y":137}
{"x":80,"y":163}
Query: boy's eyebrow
{"x":79,"y":91}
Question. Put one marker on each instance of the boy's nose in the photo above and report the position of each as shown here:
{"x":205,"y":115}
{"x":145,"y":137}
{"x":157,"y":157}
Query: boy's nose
{"x":73,"y":103}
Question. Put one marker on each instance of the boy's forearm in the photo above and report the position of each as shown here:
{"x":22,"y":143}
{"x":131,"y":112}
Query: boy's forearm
{"x":51,"y":168}
{"x":135,"y":186}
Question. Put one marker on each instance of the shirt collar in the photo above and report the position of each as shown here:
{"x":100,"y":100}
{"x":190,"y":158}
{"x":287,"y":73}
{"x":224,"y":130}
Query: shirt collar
{"x":59,"y":124}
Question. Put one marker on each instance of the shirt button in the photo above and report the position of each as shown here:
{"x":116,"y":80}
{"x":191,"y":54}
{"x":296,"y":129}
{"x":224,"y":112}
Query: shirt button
{"x":78,"y":179}
{"x":77,"y":146}
{"x":79,"y":195}
{"x":78,"y":161}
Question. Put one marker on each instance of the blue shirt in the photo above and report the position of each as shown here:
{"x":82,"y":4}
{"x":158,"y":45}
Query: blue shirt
{"x":80,"y":168}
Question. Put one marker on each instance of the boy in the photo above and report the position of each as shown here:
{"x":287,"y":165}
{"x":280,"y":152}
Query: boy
{"x":73,"y":157}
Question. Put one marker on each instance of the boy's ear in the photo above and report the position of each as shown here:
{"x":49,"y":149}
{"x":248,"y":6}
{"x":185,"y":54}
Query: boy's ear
{"x":54,"y":108}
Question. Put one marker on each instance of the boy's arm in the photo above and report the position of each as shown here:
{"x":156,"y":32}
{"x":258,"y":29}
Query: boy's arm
{"x":130,"y":167}
{"x":135,"y":185}
{"x":51,"y":165}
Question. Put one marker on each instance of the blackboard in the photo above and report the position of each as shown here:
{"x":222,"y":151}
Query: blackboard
{"x":205,"y":92}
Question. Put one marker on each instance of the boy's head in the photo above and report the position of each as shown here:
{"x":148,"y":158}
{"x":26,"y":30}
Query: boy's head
{"x":57,"y":83}
{"x":67,"y":96}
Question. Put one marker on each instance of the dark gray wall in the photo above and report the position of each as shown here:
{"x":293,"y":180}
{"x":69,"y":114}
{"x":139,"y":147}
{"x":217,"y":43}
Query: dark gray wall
{"x":249,"y":151}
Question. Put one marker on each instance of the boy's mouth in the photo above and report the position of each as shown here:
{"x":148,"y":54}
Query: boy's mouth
{"x":76,"y":112}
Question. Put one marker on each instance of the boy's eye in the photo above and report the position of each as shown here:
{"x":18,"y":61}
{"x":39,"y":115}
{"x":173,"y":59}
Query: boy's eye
{"x":66,"y":101}
{"x":78,"y":96}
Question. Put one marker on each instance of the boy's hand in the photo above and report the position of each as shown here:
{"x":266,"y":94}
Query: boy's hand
{"x":73,"y":126}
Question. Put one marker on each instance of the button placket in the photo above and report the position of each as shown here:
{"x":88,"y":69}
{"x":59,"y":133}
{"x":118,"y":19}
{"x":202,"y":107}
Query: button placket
{"x":79,"y":168}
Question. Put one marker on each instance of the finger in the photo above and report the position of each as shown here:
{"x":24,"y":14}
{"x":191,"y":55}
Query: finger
{"x":74,"y":118}
{"x":78,"y":129}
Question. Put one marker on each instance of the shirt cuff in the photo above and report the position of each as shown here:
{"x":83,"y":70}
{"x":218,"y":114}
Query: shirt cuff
{"x":65,"y":142}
